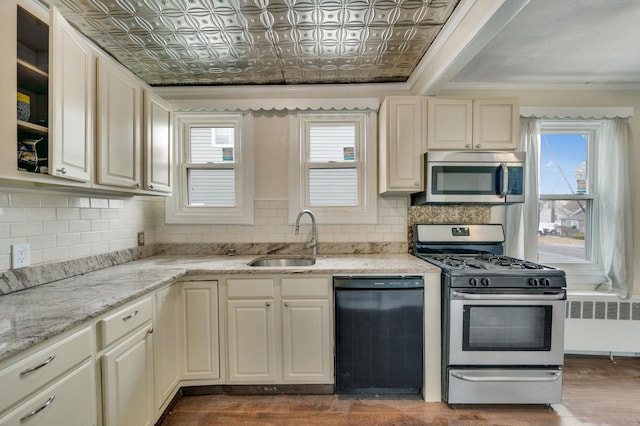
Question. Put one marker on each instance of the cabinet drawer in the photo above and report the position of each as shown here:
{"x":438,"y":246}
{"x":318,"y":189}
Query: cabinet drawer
{"x":305,"y":287}
{"x":30,"y":374}
{"x":124,"y":321}
{"x":254,"y":287}
{"x":69,"y":401}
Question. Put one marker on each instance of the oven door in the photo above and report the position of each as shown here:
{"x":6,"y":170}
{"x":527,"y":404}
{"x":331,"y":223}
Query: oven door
{"x":506,"y":329}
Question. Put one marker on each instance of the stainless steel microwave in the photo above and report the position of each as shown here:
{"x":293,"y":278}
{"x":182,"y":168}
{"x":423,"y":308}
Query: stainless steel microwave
{"x":473,"y":177}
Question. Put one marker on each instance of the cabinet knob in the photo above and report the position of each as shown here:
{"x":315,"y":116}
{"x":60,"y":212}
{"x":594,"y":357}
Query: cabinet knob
{"x":286,"y":303}
{"x":151,"y":186}
{"x":150,"y":331}
{"x":62,"y":170}
{"x":416,"y":183}
{"x":477,"y":145}
{"x":467,"y":145}
{"x":268,"y":303}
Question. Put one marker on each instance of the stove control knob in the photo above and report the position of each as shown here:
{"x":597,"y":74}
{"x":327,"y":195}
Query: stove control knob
{"x":473,"y":281}
{"x":485,"y":281}
{"x":534,"y":282}
{"x":546,"y":282}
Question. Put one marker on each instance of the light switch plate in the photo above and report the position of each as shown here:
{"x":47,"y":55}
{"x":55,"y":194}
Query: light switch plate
{"x":21,"y":255}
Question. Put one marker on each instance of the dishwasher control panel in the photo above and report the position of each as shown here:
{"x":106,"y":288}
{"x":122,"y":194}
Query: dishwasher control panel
{"x":386,"y":282}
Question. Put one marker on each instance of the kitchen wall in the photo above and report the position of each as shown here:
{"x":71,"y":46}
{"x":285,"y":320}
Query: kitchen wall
{"x":65,"y":225}
{"x":62,"y":225}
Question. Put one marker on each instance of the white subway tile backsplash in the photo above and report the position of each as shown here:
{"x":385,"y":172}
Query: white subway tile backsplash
{"x":90,"y":237}
{"x":116,"y":204}
{"x":79,"y":225}
{"x":25,"y":229}
{"x":55,"y":254}
{"x":40,"y":214}
{"x":68,"y":213}
{"x":43,"y":242}
{"x":79,"y":250}
{"x":69,"y":239}
{"x":53,"y":200}
{"x":5,"y":231}
{"x":89,"y":214}
{"x":99,"y":203}
{"x":108,"y":214}
{"x":24,"y":199}
{"x":99,"y":225}
{"x":55,"y":227}
{"x":80,"y":202}
{"x":11,"y":214}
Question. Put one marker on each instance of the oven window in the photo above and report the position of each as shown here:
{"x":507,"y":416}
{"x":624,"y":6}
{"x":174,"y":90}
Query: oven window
{"x":507,"y":328}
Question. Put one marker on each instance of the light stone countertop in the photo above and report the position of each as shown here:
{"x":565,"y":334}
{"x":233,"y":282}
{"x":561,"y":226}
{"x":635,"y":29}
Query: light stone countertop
{"x":36,"y":314}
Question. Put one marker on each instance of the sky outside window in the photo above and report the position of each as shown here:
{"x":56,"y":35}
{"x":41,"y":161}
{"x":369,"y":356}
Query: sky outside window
{"x":563,"y":159}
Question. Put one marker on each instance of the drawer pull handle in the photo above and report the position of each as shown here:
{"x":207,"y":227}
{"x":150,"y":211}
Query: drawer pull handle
{"x":128,"y":317}
{"x":37,"y":367}
{"x":37,"y":410}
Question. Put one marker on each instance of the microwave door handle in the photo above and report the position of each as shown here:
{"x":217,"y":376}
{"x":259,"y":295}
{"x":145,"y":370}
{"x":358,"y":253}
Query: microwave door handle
{"x":505,"y":181}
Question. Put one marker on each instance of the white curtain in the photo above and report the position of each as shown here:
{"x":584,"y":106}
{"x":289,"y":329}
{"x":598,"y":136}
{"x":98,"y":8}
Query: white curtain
{"x":614,"y":203}
{"x":522,"y":219}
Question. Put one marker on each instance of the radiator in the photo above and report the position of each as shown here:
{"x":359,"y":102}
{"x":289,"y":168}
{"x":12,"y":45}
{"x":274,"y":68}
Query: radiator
{"x":610,"y":325}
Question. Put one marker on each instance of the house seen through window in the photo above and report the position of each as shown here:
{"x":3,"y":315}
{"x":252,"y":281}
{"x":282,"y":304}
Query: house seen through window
{"x":567,"y":221}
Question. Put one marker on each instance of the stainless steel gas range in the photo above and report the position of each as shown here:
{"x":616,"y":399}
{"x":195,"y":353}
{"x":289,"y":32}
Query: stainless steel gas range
{"x":503,"y":318}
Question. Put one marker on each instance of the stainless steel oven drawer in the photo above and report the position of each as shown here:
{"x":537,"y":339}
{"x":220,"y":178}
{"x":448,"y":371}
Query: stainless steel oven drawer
{"x":504,"y":386}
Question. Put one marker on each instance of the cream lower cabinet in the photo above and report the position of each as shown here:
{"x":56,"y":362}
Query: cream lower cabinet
{"x":127,"y":365}
{"x":165,"y":344}
{"x":200,"y":345}
{"x":278,"y":330}
{"x":65,"y":402}
{"x":55,"y":385}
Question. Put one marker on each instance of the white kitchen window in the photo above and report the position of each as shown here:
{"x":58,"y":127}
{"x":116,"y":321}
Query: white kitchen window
{"x":214,"y":169}
{"x":332,"y":167}
{"x":568,"y":214}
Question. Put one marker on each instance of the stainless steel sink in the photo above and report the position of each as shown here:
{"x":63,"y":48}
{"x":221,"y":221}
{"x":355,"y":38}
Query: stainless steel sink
{"x":283,"y":261}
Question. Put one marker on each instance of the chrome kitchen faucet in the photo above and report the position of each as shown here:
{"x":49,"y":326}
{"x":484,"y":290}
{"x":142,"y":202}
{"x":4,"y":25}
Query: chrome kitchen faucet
{"x":313,"y":242}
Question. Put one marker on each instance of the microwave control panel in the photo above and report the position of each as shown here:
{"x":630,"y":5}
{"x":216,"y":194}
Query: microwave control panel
{"x":516,"y":180}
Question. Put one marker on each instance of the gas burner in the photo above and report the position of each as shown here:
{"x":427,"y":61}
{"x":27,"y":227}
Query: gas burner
{"x":510,"y":262}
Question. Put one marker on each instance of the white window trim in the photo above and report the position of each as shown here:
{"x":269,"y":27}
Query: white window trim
{"x":587,"y":272}
{"x":177,"y":210}
{"x":366,"y":212}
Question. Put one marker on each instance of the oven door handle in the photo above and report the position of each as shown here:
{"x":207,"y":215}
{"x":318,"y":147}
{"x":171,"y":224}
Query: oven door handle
{"x":549,"y":376}
{"x":494,"y":296}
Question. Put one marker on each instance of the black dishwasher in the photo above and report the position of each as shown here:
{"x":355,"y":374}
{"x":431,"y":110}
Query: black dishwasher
{"x":379,"y":334}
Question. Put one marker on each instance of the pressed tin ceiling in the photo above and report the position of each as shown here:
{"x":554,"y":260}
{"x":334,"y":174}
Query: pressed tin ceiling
{"x":238,"y":42}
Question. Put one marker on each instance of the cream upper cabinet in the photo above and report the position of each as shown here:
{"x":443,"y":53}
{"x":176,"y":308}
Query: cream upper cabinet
{"x":157,"y":143}
{"x":199,"y":330}
{"x":72,"y":100}
{"x":472,"y":124}
{"x":119,"y":116}
{"x":402,"y":141}
{"x":50,"y":67}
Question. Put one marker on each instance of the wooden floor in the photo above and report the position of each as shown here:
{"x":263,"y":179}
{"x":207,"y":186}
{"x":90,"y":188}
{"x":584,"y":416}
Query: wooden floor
{"x":595,"y":392}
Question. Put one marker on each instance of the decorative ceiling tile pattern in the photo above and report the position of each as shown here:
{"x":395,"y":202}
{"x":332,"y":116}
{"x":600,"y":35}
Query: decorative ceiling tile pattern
{"x":237,"y":42}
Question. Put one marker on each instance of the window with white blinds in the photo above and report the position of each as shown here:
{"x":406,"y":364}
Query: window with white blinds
{"x":328,"y":166}
{"x":216,"y":162}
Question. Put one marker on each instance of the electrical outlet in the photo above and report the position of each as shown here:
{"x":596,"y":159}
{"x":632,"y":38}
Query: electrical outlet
{"x":21,"y":255}
{"x":140,"y":239}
